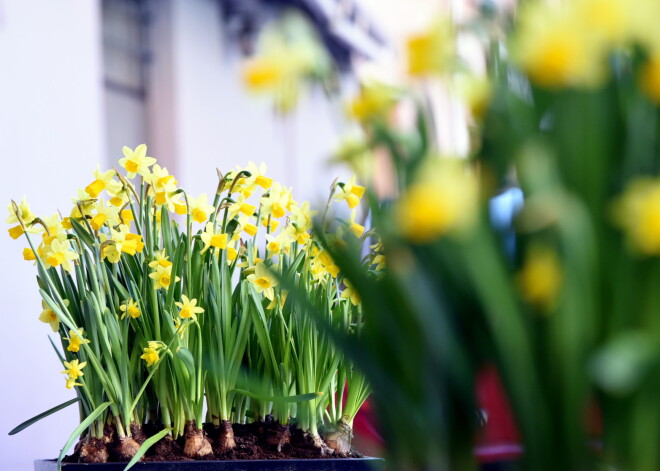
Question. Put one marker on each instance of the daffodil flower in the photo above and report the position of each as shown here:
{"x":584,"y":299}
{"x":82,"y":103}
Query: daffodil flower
{"x":49,"y":317}
{"x":130,"y":308}
{"x":74,"y":368}
{"x":350,"y":192}
{"x":161,"y":260}
{"x":212,"y":238}
{"x":104,"y":215}
{"x":103,"y":180}
{"x":277,"y":201}
{"x":136,"y":161}
{"x":276,"y":244}
{"x":75,"y":341}
{"x":432,"y":51}
{"x":241,"y":206}
{"x":70,"y":383}
{"x":350,"y":293}
{"x":200,"y":209}
{"x":188,"y":309}
{"x":263,"y":281}
{"x":24,"y":213}
{"x":150,"y":355}
{"x":540,"y":278}
{"x":162,"y":277}
{"x":59,"y":253}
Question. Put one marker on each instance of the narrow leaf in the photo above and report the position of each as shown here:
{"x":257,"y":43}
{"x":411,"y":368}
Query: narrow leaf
{"x":43,"y":415}
{"x":148,"y":443}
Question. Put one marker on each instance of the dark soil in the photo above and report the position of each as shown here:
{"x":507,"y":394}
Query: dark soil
{"x":252,"y":443}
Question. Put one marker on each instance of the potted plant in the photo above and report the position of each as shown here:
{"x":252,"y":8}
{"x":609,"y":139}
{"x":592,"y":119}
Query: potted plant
{"x":174,"y":330}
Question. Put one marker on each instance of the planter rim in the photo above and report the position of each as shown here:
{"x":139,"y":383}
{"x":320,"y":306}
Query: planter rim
{"x":302,"y":464}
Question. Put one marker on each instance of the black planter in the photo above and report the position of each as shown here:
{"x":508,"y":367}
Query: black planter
{"x":344,"y":464}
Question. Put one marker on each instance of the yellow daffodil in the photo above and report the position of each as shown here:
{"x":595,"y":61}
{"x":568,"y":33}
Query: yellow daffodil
{"x":188,"y":308}
{"x":150,"y":355}
{"x":74,"y":368}
{"x":350,"y":293}
{"x":444,"y":199}
{"x":162,"y":277}
{"x":48,"y":316}
{"x":16,"y":231}
{"x":323,"y":263}
{"x":160,"y":179}
{"x":277,"y":201}
{"x":24,"y":213}
{"x":28,"y":254}
{"x":200,"y":209}
{"x":276,"y":244}
{"x":245,"y":225}
{"x":104,"y":215}
{"x":161,"y":260}
{"x":70,"y":383}
{"x":136,"y":161}
{"x":540,"y":278}
{"x":240,"y":206}
{"x":130,"y":308}
{"x":59,"y":253}
{"x":263,"y":281}
{"x":103,"y":180}
{"x":432,"y":51}
{"x":75,"y":341}
{"x":637,"y":212}
{"x":278,"y":301}
{"x":350,"y":192}
{"x":213,"y":239}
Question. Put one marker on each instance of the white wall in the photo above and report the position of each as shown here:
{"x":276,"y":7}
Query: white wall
{"x":202,"y":118}
{"x":50,"y":140}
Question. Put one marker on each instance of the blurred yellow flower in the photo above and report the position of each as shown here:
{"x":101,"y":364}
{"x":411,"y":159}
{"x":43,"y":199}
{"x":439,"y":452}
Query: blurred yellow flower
{"x":637,"y":212}
{"x":373,"y":101}
{"x":432,"y":51}
{"x":650,"y":77}
{"x":444,"y":200}
{"x":350,"y":293}
{"x":556,"y":49}
{"x":540,"y":277}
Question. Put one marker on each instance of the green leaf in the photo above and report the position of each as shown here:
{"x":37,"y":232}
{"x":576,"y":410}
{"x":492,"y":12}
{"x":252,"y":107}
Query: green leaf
{"x":43,"y":415}
{"x":267,"y":398}
{"x":148,"y":443}
{"x":80,"y":428}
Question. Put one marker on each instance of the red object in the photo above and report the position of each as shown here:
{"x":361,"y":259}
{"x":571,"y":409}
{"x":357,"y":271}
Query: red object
{"x":499,"y":439}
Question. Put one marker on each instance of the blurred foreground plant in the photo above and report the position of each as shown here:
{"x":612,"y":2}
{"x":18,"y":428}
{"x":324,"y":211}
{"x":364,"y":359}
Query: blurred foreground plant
{"x":572,"y":316}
